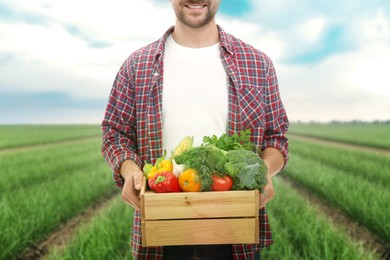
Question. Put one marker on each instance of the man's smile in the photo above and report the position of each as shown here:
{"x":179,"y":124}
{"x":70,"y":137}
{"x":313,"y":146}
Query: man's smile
{"x":195,"y":6}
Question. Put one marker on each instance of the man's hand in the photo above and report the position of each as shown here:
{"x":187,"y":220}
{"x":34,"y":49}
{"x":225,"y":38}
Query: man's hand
{"x":274,"y":161}
{"x":133,"y":182}
{"x":268,"y":192}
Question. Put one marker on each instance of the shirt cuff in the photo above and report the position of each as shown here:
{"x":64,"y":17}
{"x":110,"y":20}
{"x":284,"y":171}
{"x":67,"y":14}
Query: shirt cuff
{"x":117,"y":162}
{"x":280,"y":145}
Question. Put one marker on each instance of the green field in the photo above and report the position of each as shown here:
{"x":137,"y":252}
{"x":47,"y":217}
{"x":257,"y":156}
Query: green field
{"x":25,"y":135}
{"x":101,"y":238}
{"x":301,"y":232}
{"x":45,"y":186}
{"x":372,"y":135}
{"x":361,"y":191}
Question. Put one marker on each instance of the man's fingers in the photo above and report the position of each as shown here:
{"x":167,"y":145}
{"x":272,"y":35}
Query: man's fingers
{"x":138,"y":178}
{"x":131,"y":199}
{"x":265,"y":196}
{"x":130,"y":194}
{"x":263,"y":200}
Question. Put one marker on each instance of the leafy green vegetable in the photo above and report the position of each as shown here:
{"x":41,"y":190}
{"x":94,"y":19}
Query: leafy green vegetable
{"x":206,"y":160}
{"x":233,"y":155}
{"x":237,"y":159}
{"x":246,"y":168}
{"x":233,"y":142}
{"x":250,"y":177}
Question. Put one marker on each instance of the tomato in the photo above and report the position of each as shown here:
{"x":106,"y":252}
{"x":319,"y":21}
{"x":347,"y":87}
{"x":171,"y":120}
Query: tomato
{"x":221,"y":182}
{"x":189,"y":180}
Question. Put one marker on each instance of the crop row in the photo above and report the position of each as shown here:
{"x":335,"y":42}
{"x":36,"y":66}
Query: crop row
{"x":372,"y":135}
{"x":354,"y":190}
{"x":300,"y":231}
{"x":105,"y":237}
{"x":23,"y":170}
{"x":44,"y":188}
{"x":360,"y":164}
{"x":16,"y":135}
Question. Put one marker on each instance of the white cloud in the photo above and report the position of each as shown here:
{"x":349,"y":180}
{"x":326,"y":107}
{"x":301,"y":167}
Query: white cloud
{"x":48,"y":55}
{"x":268,"y":41}
{"x":377,"y":28}
{"x":312,"y":29}
{"x":78,"y":46}
{"x":370,"y":72}
{"x":369,"y":68}
{"x":335,"y":90}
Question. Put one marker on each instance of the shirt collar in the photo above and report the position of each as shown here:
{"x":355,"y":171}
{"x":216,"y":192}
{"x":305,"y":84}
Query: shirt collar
{"x":225,"y":40}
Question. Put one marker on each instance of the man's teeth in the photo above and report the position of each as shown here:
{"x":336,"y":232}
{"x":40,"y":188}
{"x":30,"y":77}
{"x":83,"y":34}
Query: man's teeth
{"x":195,"y":6}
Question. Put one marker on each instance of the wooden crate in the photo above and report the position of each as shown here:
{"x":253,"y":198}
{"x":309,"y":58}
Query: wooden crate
{"x":198,"y":218}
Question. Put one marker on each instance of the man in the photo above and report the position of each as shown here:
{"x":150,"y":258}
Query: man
{"x":195,"y":80}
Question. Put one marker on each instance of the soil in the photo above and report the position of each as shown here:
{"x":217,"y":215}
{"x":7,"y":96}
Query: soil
{"x":60,"y":237}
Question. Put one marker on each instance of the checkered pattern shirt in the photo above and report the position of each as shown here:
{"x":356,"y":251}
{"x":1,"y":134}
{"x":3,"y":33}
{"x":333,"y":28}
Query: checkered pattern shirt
{"x":132,"y":125}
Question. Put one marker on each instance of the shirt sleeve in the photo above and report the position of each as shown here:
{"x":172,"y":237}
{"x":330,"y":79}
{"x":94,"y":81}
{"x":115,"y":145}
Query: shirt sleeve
{"x":118,"y":126}
{"x":276,"y":120}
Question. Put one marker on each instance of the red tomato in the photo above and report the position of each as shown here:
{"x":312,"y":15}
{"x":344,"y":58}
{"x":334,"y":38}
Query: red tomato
{"x":222,"y":183}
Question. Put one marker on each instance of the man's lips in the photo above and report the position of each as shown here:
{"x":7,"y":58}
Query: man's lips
{"x":195,"y":6}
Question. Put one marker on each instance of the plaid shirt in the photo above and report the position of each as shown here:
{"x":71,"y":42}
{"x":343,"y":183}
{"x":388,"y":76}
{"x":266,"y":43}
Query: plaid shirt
{"x":132,"y":127}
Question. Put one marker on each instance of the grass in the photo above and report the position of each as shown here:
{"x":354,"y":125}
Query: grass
{"x":58,"y":191}
{"x":105,"y":237}
{"x":22,"y":170}
{"x":301,"y":232}
{"x":372,"y":135}
{"x":46,"y":186}
{"x":371,"y":167}
{"x":357,"y":197}
{"x":25,"y":135}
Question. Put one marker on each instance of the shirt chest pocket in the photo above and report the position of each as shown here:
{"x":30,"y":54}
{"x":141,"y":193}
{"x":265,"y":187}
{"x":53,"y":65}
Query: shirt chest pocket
{"x":251,"y":105}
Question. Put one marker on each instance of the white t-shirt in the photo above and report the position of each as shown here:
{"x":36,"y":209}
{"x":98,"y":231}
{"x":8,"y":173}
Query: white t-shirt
{"x":195,"y":94}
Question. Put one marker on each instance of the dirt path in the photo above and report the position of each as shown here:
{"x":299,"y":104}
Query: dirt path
{"x":357,"y":232}
{"x":37,"y":146}
{"x":62,"y":235}
{"x":380,"y":151}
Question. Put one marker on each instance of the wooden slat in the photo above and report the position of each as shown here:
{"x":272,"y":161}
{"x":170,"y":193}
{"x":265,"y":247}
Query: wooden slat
{"x":197,"y":218}
{"x":183,"y":205}
{"x":200,"y":232}
{"x":142,"y":198}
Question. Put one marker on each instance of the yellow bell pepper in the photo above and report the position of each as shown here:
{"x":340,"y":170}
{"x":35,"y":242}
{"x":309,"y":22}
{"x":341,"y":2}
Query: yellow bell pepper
{"x":161,"y":166}
{"x":152,"y":172}
{"x":166,"y":164}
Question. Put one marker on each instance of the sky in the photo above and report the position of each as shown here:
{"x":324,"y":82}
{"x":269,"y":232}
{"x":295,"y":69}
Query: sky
{"x":58,"y":59}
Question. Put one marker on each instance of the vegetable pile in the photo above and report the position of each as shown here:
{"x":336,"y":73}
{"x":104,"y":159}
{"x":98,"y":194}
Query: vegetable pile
{"x":218,"y":164}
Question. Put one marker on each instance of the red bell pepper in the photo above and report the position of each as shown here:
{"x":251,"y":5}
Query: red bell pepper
{"x":164,"y":182}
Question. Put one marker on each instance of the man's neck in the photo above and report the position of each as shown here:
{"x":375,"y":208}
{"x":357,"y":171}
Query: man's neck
{"x":196,"y":38}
